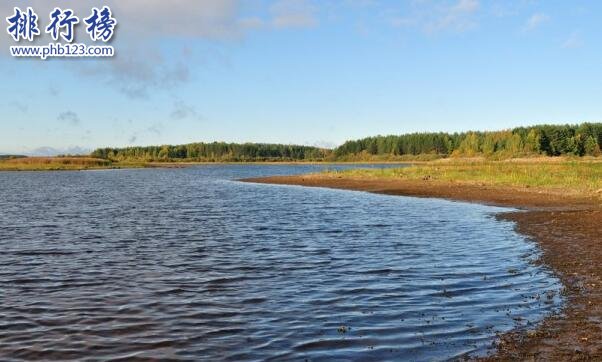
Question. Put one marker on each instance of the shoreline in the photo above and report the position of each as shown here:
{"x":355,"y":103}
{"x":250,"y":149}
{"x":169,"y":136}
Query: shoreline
{"x":567,"y":228}
{"x":155,"y":165}
{"x":59,"y":164}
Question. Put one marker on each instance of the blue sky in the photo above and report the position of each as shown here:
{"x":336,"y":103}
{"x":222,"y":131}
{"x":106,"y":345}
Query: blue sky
{"x":305,"y":72}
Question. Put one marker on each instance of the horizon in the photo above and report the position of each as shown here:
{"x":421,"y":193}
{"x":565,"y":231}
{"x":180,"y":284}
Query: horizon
{"x":79,"y":151}
{"x":305,"y":72}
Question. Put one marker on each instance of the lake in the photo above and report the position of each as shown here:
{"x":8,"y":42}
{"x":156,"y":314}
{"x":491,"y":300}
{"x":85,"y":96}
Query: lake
{"x":190,"y":264}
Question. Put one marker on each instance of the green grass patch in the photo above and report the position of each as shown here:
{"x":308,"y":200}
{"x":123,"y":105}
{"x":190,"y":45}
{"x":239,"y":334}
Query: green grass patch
{"x":582,"y":176}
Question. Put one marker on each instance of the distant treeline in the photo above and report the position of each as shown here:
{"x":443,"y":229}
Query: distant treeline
{"x":215,"y":152}
{"x":10,"y":157}
{"x":551,"y":140}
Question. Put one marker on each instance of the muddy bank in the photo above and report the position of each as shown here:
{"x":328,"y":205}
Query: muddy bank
{"x":568,"y":228}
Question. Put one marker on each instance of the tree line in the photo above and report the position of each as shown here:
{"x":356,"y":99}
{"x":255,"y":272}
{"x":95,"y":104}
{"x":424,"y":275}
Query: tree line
{"x":10,"y":157}
{"x":215,"y":152}
{"x":550,"y":140}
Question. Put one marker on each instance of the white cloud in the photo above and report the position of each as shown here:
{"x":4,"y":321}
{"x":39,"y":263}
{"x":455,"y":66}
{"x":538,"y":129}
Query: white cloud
{"x":206,"y":18}
{"x":536,"y":20}
{"x":252,"y":23}
{"x":137,"y":71}
{"x":433,"y":17}
{"x":573,"y":41}
{"x":139,"y":66}
{"x":322,"y":144}
{"x":466,"y":6}
{"x":151,"y":18}
{"x":458,"y":16}
{"x":293,"y":14}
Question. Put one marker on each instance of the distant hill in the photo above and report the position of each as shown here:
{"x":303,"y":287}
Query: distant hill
{"x":51,"y":151}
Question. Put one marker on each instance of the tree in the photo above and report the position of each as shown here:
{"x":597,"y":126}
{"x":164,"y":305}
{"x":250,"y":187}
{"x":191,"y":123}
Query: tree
{"x":164,"y":153}
{"x":470,"y":145}
{"x":592,"y":148}
{"x":551,"y":140}
{"x":532,"y":142}
{"x":488,"y":146}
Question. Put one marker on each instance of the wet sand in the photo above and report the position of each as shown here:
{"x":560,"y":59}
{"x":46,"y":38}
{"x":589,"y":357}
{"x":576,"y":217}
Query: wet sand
{"x":568,"y":228}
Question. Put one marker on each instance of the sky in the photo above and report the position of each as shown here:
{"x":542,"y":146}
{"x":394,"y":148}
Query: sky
{"x":303,"y":72}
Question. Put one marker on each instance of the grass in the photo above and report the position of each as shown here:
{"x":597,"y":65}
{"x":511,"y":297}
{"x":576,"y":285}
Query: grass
{"x":577,"y":175}
{"x":53,"y":163}
{"x":90,"y":163}
{"x":584,"y":176}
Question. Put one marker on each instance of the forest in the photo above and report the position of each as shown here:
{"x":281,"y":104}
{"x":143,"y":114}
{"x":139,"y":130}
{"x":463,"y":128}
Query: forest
{"x":549,"y":140}
{"x":215,"y":152}
{"x":10,"y":157}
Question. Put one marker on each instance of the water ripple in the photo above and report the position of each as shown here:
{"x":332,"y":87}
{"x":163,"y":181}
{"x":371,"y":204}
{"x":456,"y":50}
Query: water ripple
{"x":187,"y":264}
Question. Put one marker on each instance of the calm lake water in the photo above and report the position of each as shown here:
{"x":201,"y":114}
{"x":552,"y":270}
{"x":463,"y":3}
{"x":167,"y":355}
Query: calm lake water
{"x":190,"y":264}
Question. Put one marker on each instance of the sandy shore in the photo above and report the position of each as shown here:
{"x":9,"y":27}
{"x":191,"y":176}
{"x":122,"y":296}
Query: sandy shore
{"x":568,"y":228}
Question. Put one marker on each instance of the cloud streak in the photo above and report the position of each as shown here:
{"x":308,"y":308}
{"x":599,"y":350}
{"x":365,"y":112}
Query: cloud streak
{"x":140,"y":67}
{"x":535,"y":21}
{"x":433,"y":17}
{"x":51,"y":151}
{"x":137,"y":73}
{"x":152,"y":18}
{"x":182,"y":111}
{"x":21,"y":107}
{"x":293,"y":14}
{"x":574,"y":41}
{"x":69,"y":117}
{"x":156,"y":130}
